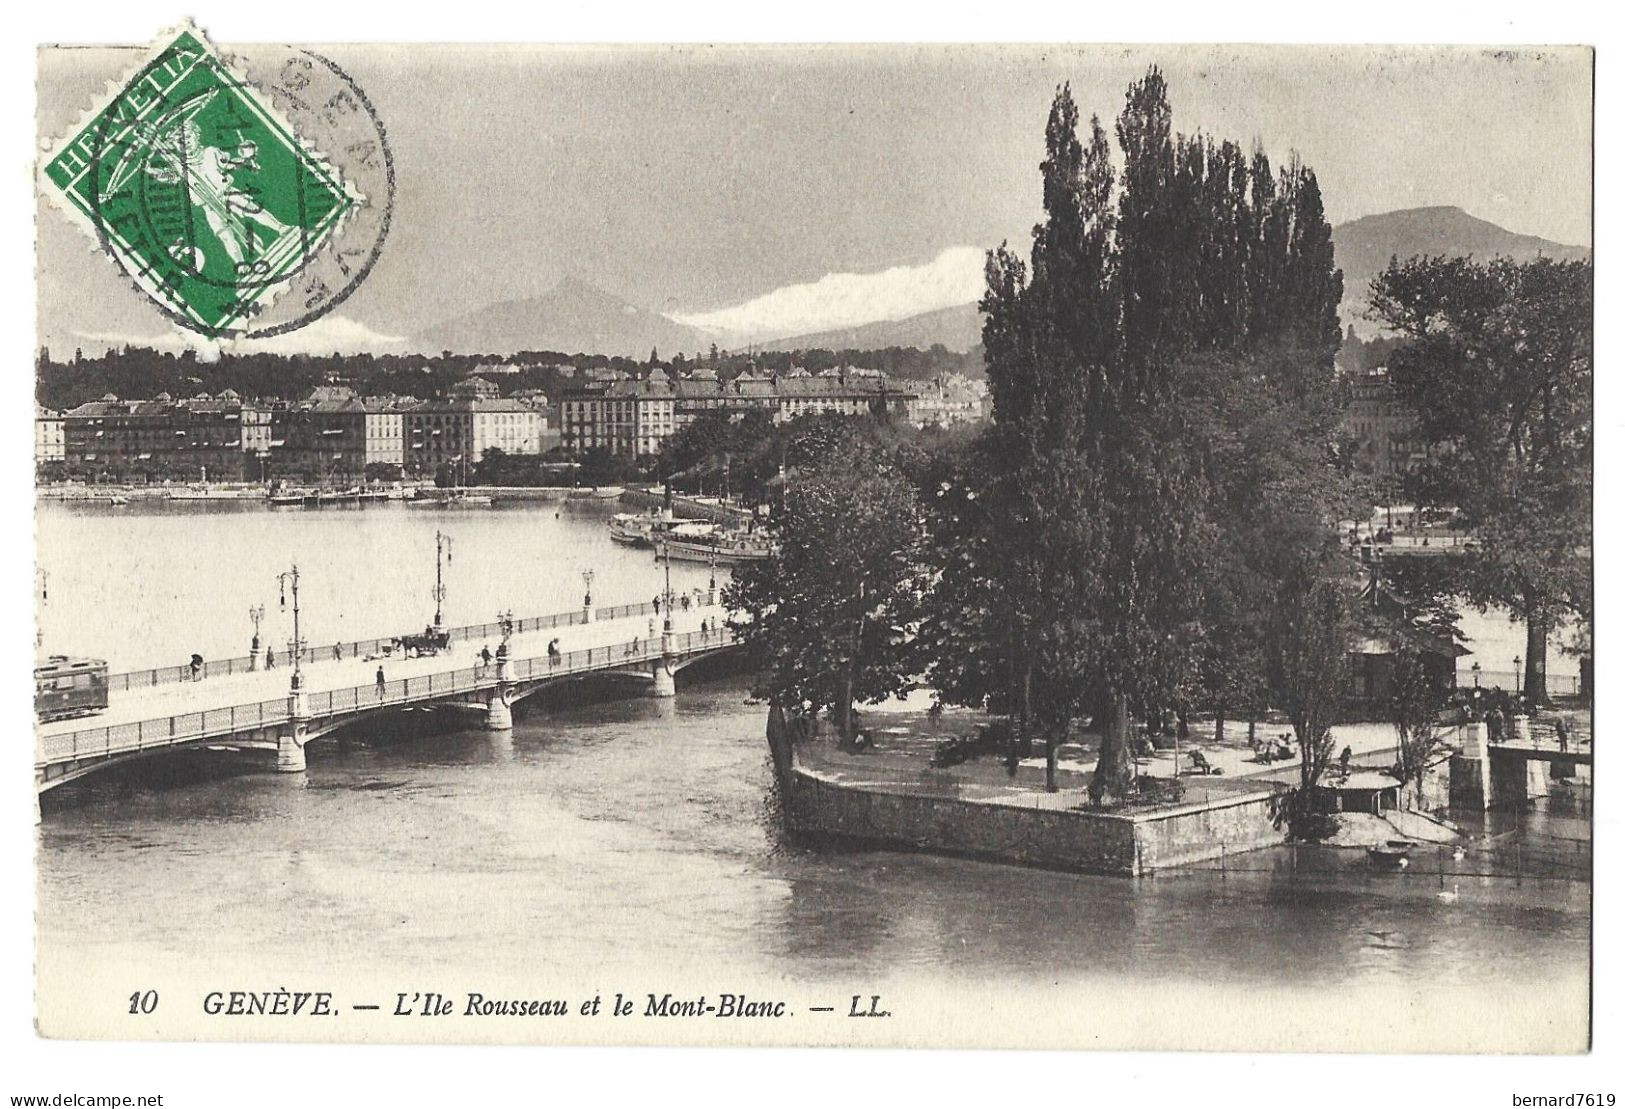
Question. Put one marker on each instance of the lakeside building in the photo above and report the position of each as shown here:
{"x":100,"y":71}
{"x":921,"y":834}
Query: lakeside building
{"x":322,"y":438}
{"x":330,"y":436}
{"x":948,"y":400}
{"x":459,"y":429}
{"x":202,"y":438}
{"x":386,"y":431}
{"x":49,"y":444}
{"x":638,"y":416}
{"x":1382,"y":425}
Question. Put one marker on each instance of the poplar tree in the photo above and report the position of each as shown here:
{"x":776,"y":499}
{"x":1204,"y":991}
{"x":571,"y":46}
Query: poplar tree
{"x":1089,"y":545}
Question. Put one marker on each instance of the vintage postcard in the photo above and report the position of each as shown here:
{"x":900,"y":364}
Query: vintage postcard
{"x":931,"y":546}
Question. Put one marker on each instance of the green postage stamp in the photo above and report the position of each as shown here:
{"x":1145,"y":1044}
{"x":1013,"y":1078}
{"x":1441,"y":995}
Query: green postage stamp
{"x":199,"y":188}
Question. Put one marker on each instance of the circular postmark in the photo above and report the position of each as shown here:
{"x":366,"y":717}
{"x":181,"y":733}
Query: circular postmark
{"x":247,"y":197}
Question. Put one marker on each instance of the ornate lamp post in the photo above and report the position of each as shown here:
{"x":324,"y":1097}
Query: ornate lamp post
{"x":44,"y":578}
{"x":712,"y":559}
{"x":586,"y":578}
{"x":1478,"y":670}
{"x":257,"y":614}
{"x":665,"y":556}
{"x":288,"y":582}
{"x":1517,"y":672}
{"x":505,"y":626}
{"x":442,"y":557}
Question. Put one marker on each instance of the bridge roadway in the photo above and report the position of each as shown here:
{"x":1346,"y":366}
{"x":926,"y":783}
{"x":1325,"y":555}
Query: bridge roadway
{"x":257,"y":709}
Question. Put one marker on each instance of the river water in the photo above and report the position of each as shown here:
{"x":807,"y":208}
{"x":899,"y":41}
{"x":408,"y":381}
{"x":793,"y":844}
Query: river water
{"x":607,"y":831}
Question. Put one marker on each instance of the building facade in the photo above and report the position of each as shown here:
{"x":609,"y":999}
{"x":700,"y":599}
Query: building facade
{"x":49,"y":444}
{"x":321,"y":439}
{"x":637,"y":417}
{"x":202,"y":438}
{"x":1382,"y":426}
{"x":457,"y":431}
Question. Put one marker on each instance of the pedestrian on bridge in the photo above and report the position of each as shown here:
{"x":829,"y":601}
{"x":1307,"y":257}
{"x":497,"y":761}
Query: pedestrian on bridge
{"x":685,"y":602}
{"x":657,"y":604}
{"x":338,"y":651}
{"x":380,"y":683}
{"x":270,"y":659}
{"x":1562,"y":728}
{"x":485,"y":655}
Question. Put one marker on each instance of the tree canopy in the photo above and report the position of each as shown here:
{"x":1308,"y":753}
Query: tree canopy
{"x":1496,"y":364}
{"x":1162,"y":450}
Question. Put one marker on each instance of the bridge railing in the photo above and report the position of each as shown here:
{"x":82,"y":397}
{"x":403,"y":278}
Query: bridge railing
{"x":163,"y":731}
{"x":1558,"y":685}
{"x":168,"y":730}
{"x":360,"y":648}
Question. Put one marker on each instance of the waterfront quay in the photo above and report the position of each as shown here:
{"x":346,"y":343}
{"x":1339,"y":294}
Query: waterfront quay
{"x":282,"y":710}
{"x":894,"y":792}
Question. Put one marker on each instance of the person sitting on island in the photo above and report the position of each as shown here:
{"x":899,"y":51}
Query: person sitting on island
{"x":1283,"y":746}
{"x":1344,"y":759}
{"x":1493,"y":722}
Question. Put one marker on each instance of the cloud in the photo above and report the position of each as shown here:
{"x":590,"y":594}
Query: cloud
{"x":323,"y":336}
{"x":851,"y":299}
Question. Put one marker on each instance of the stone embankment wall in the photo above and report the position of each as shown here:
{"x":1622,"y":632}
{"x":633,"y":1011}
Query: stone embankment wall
{"x":1108,"y":843}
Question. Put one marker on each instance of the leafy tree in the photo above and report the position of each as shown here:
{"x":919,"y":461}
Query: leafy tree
{"x":1497,"y":366}
{"x":828,"y":613}
{"x":1312,"y":627}
{"x":1113,"y":549}
{"x":1414,"y":705}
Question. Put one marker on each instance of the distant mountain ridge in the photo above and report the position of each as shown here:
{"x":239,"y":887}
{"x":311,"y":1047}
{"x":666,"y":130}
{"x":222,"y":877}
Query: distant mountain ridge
{"x":578,"y":316}
{"x":959,"y":328}
{"x":1365,"y":245}
{"x":574,"y":315}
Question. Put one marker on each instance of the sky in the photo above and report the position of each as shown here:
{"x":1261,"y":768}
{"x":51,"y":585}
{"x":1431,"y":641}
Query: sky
{"x":795,"y":188}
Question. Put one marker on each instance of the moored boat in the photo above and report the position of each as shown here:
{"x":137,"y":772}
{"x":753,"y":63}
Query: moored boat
{"x":645,"y":529}
{"x":1393,"y":855}
{"x":712,"y":544}
{"x":455,"y":498}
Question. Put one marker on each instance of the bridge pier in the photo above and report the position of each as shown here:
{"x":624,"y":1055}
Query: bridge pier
{"x":498,"y":713}
{"x":1470,"y":769}
{"x":665,"y":678}
{"x":499,"y":708}
{"x":291,"y":737}
{"x":664,"y":669}
{"x":290,"y":749}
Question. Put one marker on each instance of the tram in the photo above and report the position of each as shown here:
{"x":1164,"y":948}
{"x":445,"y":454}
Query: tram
{"x":67,"y":687}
